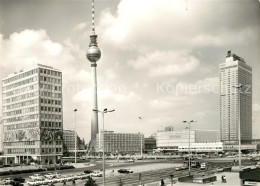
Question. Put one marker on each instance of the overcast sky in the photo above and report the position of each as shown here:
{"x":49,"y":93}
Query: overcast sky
{"x":159,"y":59}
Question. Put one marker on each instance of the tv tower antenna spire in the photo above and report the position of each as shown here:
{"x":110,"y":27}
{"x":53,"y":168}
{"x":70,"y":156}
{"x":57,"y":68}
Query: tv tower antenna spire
{"x":93,"y":55}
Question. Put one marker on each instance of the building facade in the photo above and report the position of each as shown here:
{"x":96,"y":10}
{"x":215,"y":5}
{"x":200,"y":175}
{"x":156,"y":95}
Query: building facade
{"x":32,"y":114}
{"x":120,"y":142}
{"x":233,"y":72}
{"x":149,"y":145}
{"x":1,"y":135}
{"x":174,"y":140}
{"x":69,"y":140}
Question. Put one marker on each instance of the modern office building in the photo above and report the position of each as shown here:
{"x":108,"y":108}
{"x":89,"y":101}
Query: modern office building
{"x":173,"y":140}
{"x":126,"y":143}
{"x":232,"y":73}
{"x":69,"y":140}
{"x":32,"y":114}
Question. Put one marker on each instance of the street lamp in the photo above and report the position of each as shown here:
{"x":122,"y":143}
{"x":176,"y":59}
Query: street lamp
{"x":141,"y":139}
{"x":189,"y":122}
{"x":103,"y":113}
{"x":75,"y":110}
{"x":239,"y":86}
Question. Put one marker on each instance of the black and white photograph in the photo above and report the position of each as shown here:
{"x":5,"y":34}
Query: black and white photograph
{"x":130,"y":92}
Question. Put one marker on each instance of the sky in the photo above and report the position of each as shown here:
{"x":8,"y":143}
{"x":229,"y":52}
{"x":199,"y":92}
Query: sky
{"x":160,"y":58}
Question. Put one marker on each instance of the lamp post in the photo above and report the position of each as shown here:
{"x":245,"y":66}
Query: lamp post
{"x":239,"y":86}
{"x":103,"y":113}
{"x":189,"y":122}
{"x":141,"y":139}
{"x":75,"y":110}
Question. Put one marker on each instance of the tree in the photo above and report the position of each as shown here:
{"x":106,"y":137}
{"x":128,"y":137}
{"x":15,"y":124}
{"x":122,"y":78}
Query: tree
{"x":90,"y":182}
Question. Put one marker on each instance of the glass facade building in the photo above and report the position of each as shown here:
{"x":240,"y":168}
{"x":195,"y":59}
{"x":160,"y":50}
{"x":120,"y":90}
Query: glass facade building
{"x":32,"y":114}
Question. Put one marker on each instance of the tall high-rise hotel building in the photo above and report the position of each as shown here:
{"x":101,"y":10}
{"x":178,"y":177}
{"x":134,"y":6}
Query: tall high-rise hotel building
{"x":235,"y":72}
{"x":32,"y":114}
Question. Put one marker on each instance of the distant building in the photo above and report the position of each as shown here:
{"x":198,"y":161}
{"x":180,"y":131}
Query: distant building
{"x":234,"y":147}
{"x":69,"y":140}
{"x":172,"y":140}
{"x":1,"y":135}
{"x":169,"y":128}
{"x":120,"y":142}
{"x":233,"y":72}
{"x":149,"y":145}
{"x":32,"y":114}
{"x":202,"y":147}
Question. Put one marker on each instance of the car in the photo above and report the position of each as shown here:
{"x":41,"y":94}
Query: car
{"x":36,"y":177}
{"x":88,"y":171}
{"x":203,"y":166}
{"x":49,"y":175}
{"x":130,"y":160}
{"x":7,"y":180}
{"x":127,"y":171}
{"x":96,"y":174}
{"x":181,"y":168}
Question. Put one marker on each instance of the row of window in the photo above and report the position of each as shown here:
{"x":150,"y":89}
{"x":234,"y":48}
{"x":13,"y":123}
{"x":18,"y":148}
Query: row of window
{"x":51,"y":150}
{"x":22,"y":118}
{"x":20,"y":90}
{"x":20,"y":83}
{"x":22,"y":75}
{"x":21,"y":104}
{"x":50,"y":87}
{"x":50,"y":94}
{"x":50,"y":109}
{"x":21,"y":111}
{"x":50,"y":72}
{"x":50,"y":80}
{"x":21,"y":97}
{"x":21,"y":151}
{"x":50,"y":124}
{"x":50,"y":116}
{"x":51,"y":143}
{"x":22,"y":126}
{"x":51,"y":101}
{"x":19,"y":143}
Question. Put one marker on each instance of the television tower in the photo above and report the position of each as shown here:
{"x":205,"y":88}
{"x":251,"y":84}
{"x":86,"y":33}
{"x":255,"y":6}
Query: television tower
{"x":93,"y":55}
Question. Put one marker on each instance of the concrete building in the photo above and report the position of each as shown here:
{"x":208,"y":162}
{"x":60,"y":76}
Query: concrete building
{"x":126,"y":143}
{"x":149,"y":145}
{"x":32,"y":114}
{"x":233,"y":72}
{"x":173,"y":140}
{"x":69,"y":140}
{"x":1,"y":135}
{"x":202,"y":147}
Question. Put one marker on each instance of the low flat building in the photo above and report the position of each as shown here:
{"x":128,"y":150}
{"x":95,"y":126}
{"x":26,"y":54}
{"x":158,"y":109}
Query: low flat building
{"x":120,"y":142}
{"x":227,"y":147}
{"x":202,"y":147}
{"x":178,"y":140}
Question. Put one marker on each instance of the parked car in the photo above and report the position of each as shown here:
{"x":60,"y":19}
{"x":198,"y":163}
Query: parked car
{"x":181,"y":168}
{"x":36,"y":177}
{"x":203,"y":166}
{"x":49,"y":175}
{"x":7,"y":180}
{"x":96,"y":174}
{"x":88,"y":171}
{"x":126,"y":171}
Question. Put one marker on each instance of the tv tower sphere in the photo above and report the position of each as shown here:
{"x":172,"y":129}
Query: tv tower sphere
{"x":93,"y":52}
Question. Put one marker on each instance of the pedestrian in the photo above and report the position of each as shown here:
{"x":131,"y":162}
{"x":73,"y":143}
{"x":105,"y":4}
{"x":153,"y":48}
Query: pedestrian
{"x":73,"y":182}
{"x":64,"y":182}
{"x":162,"y":182}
